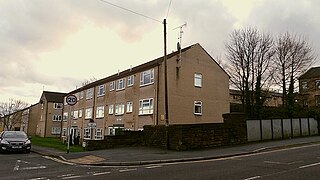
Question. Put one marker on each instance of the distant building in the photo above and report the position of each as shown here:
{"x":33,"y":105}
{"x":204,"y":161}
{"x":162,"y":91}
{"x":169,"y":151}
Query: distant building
{"x":309,"y":88}
{"x":198,"y":92}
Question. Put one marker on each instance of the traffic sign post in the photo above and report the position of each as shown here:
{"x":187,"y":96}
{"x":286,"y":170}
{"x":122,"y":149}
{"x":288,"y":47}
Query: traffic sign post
{"x":71,"y":101}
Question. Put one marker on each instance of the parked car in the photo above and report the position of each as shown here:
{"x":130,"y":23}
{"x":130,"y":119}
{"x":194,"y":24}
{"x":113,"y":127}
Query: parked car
{"x":15,"y":141}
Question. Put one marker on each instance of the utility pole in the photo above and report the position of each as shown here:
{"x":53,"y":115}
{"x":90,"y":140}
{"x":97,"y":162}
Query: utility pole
{"x":166,"y":83}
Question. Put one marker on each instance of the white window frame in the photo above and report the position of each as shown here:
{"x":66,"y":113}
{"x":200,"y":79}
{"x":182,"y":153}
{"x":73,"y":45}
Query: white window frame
{"x":65,"y":116}
{"x":75,"y":114}
{"x":89,"y":93}
{"x":146,"y":106}
{"x":144,"y":75}
{"x":88,"y":113}
{"x":98,"y":134}
{"x":55,"y":130}
{"x":57,"y":105}
{"x":100,"y":112}
{"x":197,"y":104}
{"x":87,"y":133}
{"x":101,"y":90}
{"x":64,"y":132}
{"x":130,"y":80}
{"x":119,"y":110}
{"x":121,"y":84}
{"x":111,"y":109}
{"x":56,"y":118}
{"x":81,"y":95}
{"x":129,"y":107}
{"x":80,"y":113}
{"x":111,"y":86}
{"x":198,"y":80}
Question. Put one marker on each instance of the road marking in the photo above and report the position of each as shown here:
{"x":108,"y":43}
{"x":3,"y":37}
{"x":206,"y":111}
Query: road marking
{"x":31,"y":168}
{"x":126,"y":170}
{"x":151,"y":167}
{"x":251,"y":178}
{"x":65,"y":175}
{"x":101,"y":173}
{"x":71,"y":177}
{"x":309,"y":165}
{"x":40,"y":178}
{"x":58,"y":160}
{"x":281,"y":163}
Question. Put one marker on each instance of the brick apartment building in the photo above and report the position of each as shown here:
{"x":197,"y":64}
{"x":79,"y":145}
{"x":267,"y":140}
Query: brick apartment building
{"x":309,"y":88}
{"x":198,"y":92}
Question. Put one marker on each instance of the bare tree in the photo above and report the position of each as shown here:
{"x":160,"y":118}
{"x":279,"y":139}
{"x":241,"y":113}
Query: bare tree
{"x":11,"y":113}
{"x":249,"y":53}
{"x":293,"y":57}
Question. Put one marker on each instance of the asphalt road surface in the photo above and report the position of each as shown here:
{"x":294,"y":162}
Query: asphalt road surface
{"x":292,"y":163}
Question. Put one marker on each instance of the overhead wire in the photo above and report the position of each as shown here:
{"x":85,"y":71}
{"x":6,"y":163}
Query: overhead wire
{"x":168,"y":8}
{"x":129,"y":10}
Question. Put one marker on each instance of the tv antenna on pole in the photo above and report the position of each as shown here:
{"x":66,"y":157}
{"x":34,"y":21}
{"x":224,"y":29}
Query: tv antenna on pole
{"x":180,"y":41}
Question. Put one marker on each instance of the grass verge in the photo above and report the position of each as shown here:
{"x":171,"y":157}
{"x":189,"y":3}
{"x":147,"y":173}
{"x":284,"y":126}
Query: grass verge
{"x":54,"y":143}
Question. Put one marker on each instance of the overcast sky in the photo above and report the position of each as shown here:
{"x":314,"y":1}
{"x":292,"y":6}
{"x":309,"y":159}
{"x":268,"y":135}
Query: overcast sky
{"x":56,"y":45}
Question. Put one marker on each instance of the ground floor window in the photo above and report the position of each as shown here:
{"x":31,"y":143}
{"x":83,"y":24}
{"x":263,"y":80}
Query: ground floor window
{"x":197,"y":107}
{"x":98,"y":134}
{"x":86,"y":133}
{"x":55,"y":130}
{"x":64,"y":132}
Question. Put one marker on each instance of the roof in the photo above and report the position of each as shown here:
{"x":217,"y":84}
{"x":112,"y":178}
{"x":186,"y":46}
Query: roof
{"x":150,"y":64}
{"x":53,"y":96}
{"x":313,"y":72}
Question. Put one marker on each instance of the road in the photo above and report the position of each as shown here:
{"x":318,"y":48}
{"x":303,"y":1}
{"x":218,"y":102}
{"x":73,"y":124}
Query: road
{"x":292,"y":163}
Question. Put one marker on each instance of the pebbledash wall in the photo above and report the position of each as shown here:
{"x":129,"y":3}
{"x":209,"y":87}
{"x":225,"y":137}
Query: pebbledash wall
{"x":181,"y":137}
{"x":270,"y":129}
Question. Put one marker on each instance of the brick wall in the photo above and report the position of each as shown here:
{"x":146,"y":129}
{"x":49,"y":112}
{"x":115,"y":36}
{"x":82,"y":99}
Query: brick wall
{"x":181,"y":137}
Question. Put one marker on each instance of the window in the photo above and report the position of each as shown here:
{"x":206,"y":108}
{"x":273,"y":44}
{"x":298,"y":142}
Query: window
{"x":197,"y":107}
{"x":130,"y":80}
{"x":198,"y":80}
{"x":57,"y":106}
{"x":111,"y":109}
{"x":146,"y":106}
{"x":64,"y":132}
{"x":88,"y":113}
{"x":146,"y":77}
{"x":65,"y":116}
{"x":86,"y":133}
{"x":129,"y":107}
{"x":101,"y":90}
{"x":81,"y":95}
{"x":111,"y":86}
{"x":100,"y":112}
{"x":55,"y":130}
{"x":89,"y":94}
{"x":121,"y":84}
{"x":80,"y":113}
{"x":56,"y":118}
{"x":75,"y":115}
{"x":98,"y":134}
{"x":317,"y":84}
{"x":119,"y":109}
{"x":317,"y":101}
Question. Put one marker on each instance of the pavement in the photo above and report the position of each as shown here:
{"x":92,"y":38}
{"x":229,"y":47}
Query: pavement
{"x":133,"y":156}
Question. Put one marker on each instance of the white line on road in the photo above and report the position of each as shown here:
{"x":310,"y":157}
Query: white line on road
{"x":40,"y":178}
{"x":71,"y":177}
{"x":309,"y":165}
{"x":281,"y":163}
{"x":126,"y":170}
{"x":101,"y":173}
{"x":251,"y":178}
{"x":151,"y":167}
{"x":31,"y":168}
{"x":65,"y":175}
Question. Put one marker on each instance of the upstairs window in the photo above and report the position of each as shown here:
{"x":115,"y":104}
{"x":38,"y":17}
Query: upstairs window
{"x":317,"y":84}
{"x":146,"y":106}
{"x":111,"y":109}
{"x":89,"y":94}
{"x":198,"y":80}
{"x":111,"y":86}
{"x":81,"y":95}
{"x":197,"y":107}
{"x":56,"y":118}
{"x":130,"y":80}
{"x":57,"y":106}
{"x":80,"y":113}
{"x":75,"y":114}
{"x":146,"y":77}
{"x":129,"y":107}
{"x":101,"y":90}
{"x":88,"y":113}
{"x":65,"y":116}
{"x":119,"y":109}
{"x":121,"y":84}
{"x":100,"y":112}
